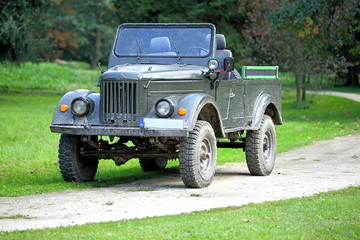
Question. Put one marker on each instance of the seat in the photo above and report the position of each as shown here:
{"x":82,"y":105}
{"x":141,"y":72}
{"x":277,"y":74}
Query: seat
{"x":160,"y":46}
{"x":221,"y":53}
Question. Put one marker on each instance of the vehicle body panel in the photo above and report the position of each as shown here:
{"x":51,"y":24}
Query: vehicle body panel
{"x":135,"y":82}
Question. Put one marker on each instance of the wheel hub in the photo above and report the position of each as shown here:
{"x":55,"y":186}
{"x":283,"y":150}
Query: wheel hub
{"x":205,"y":156}
{"x":266,"y":146}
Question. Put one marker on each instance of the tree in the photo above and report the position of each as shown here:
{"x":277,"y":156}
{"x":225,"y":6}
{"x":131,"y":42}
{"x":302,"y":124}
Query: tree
{"x":222,"y":13}
{"x":83,"y":29}
{"x":298,"y":36}
{"x":21,"y":35}
{"x":336,"y":24}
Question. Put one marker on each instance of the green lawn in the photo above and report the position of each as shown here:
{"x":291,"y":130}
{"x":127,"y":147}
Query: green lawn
{"x":333,"y":215}
{"x":28,"y":152}
{"x":28,"y":165}
{"x":49,"y":77}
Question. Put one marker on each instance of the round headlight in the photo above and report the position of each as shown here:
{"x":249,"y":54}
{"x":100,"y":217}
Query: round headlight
{"x":164,"y":107}
{"x":80,"y":106}
{"x":213,"y":64}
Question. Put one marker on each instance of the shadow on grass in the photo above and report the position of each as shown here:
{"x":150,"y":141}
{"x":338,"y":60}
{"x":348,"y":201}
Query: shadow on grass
{"x":106,"y":177}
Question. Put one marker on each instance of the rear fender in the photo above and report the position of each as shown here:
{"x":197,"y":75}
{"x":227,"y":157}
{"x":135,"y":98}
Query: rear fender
{"x":265,"y":104}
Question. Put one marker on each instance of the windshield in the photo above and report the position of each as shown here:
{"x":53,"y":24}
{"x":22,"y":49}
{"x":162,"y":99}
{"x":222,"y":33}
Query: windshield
{"x":164,"y":41}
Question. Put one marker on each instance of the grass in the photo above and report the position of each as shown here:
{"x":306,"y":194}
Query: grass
{"x":49,"y":77}
{"x":332,"y":215}
{"x":16,"y":217}
{"x":28,"y":153}
{"x":28,"y":165}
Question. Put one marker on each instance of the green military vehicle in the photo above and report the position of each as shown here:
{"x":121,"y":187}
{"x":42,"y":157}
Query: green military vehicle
{"x":170,"y":92}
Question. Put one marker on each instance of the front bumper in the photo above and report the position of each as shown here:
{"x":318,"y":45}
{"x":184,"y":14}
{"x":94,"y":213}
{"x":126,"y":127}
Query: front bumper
{"x":104,"y":130}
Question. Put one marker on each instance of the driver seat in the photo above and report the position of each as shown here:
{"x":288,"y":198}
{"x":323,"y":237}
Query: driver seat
{"x":221,"y":53}
{"x":161,"y":46}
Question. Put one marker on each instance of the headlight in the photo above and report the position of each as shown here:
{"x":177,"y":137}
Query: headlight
{"x":164,"y":107}
{"x":80,"y":106}
{"x":213,"y":64}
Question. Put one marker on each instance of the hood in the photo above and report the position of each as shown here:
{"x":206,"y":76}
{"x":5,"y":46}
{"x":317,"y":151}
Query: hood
{"x":154,"y":72}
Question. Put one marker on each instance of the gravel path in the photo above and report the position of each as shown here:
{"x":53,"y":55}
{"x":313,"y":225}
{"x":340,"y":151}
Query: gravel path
{"x":323,"y":166}
{"x":351,"y":96}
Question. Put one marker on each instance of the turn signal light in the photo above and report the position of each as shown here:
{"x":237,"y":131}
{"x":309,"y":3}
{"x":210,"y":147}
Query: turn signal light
{"x":64,"y":108}
{"x":182,"y":111}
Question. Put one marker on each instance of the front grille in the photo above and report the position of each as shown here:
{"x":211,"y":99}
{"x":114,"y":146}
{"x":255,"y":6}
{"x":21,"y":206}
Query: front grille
{"x":118,"y":102}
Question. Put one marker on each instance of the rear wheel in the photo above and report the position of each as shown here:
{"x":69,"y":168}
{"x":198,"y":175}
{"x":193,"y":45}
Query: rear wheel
{"x":198,"y":156}
{"x":73,"y":166}
{"x":260,"y":148}
{"x":152,"y":164}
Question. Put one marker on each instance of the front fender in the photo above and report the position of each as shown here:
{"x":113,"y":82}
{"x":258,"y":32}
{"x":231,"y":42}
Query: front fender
{"x":67,"y":118}
{"x":202,"y":106}
{"x":197,"y":105}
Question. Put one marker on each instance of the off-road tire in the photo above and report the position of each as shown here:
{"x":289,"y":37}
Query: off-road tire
{"x":152,"y":164}
{"x":73,"y":167}
{"x":198,"y":156}
{"x":260,"y":148}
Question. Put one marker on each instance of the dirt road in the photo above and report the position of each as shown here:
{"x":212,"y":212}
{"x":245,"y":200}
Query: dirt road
{"x":323,"y":166}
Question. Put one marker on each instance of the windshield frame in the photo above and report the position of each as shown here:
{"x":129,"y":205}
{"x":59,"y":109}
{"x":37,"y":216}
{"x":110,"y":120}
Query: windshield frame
{"x":176,"y":52}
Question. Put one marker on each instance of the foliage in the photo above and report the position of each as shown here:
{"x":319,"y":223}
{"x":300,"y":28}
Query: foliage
{"x":297,"y":35}
{"x":328,"y":27}
{"x":308,"y":37}
{"x":222,"y":13}
{"x":332,"y":215}
{"x":301,"y":36}
{"x":84,"y":29}
{"x":21,"y":38}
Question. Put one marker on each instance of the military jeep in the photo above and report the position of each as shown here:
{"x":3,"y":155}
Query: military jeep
{"x":170,"y":92}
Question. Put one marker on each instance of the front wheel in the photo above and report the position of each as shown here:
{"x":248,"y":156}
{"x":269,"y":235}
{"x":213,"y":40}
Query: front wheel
{"x":198,"y":156}
{"x":260,"y":148}
{"x":73,"y":166}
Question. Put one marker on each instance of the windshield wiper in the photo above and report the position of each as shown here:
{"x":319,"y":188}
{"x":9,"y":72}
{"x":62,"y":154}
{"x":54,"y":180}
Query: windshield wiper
{"x":173,"y":43}
{"x":138,"y":46}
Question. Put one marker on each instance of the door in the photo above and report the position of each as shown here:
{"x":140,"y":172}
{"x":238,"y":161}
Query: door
{"x":230,"y":98}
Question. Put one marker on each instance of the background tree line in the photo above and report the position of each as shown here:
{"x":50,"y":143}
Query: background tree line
{"x":309,"y":38}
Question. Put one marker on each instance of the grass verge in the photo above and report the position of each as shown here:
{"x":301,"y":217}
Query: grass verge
{"x":332,"y":215}
{"x":49,"y":77}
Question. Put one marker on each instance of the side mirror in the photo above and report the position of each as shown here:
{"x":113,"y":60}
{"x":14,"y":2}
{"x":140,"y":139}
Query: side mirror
{"x":229,"y":64}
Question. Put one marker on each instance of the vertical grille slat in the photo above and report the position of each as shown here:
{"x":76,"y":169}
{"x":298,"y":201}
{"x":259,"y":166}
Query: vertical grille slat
{"x":118,"y":102}
{"x":131,"y":97}
{"x":123,"y":93}
{"x":128,"y":99}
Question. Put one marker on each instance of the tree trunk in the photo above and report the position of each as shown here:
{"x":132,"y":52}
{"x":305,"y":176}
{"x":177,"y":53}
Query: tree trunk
{"x":298,"y":87}
{"x":352,"y":77}
{"x":303,"y":88}
{"x":96,"y":55}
